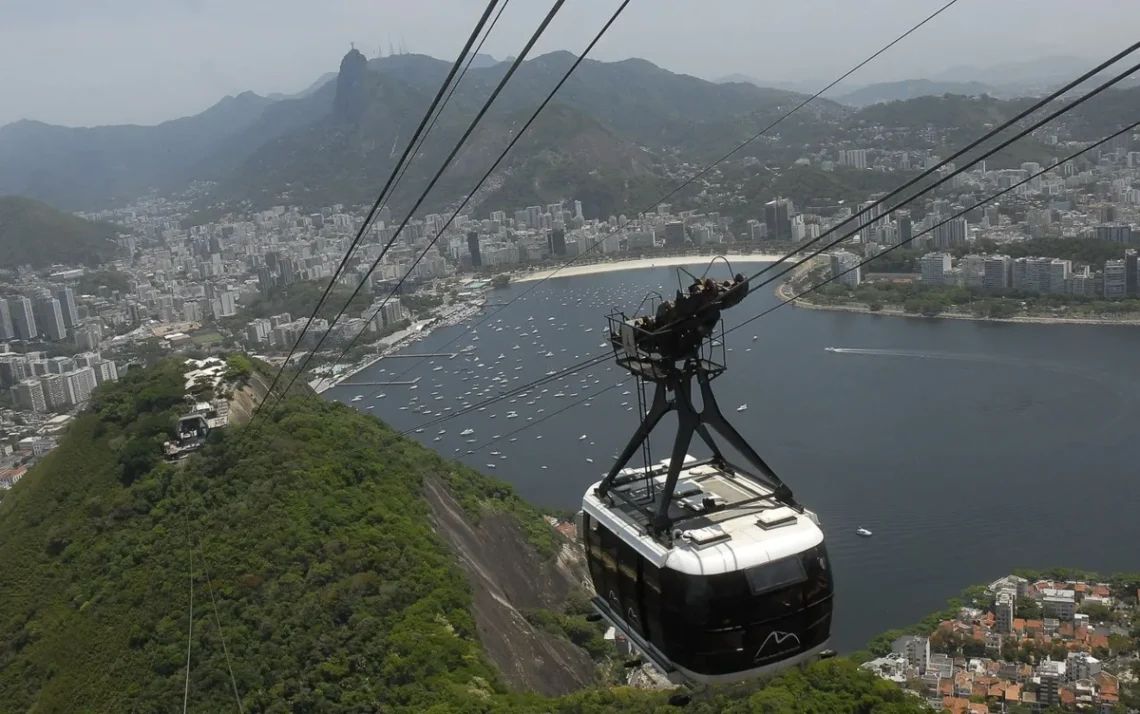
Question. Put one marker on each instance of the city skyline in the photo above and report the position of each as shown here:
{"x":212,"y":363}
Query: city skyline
{"x":123,"y":65}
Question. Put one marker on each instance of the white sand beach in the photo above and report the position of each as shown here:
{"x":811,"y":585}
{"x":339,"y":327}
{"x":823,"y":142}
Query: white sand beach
{"x":640,"y":263}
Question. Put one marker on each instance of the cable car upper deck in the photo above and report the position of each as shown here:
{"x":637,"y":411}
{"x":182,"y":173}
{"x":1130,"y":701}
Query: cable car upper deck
{"x":722,"y":518}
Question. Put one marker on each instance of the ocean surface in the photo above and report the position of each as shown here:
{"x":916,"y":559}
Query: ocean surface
{"x":968,"y":448}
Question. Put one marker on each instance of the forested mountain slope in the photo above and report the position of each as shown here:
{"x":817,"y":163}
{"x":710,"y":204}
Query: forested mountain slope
{"x":320,"y":579}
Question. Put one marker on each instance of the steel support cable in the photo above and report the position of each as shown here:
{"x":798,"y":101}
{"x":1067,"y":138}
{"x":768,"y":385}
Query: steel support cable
{"x":218,"y":622}
{"x":972,"y":160}
{"x":190,"y":629}
{"x":553,"y":414}
{"x":435,"y":179}
{"x":513,"y":392}
{"x":502,"y":155}
{"x":1068,"y":107}
{"x":384,"y":191}
{"x":972,"y":145}
{"x":450,"y":92}
{"x":697,"y":175}
{"x":979,"y":204}
{"x":1020,"y":135}
{"x":1052,"y":167}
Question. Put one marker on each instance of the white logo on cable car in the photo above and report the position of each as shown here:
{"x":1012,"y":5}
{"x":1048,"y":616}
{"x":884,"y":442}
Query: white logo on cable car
{"x":778,"y":638}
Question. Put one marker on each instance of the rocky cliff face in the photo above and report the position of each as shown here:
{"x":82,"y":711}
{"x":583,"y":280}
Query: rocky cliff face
{"x":351,"y":92}
{"x":507,"y":577}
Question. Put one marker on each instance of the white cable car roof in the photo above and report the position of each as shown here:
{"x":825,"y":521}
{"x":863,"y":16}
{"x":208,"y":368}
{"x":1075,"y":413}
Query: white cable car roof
{"x":714,"y":542}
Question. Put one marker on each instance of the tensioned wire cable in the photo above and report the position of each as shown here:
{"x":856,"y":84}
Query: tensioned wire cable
{"x":435,"y":179}
{"x":454,"y":86}
{"x":950,"y":175}
{"x":785,"y":301}
{"x":693,"y":178}
{"x":517,"y":137}
{"x":384,"y":192}
{"x":959,"y":214}
{"x":1069,"y":107}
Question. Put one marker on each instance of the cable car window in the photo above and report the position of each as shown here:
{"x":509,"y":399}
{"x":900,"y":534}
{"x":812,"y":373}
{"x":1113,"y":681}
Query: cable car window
{"x":819,"y":585}
{"x":593,"y":540}
{"x":651,"y":594}
{"x":777,"y":574}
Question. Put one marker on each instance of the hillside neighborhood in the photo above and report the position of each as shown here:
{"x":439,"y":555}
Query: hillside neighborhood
{"x":1036,"y":646}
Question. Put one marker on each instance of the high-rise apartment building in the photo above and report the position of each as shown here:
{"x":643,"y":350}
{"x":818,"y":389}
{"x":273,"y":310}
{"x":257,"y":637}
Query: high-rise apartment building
{"x":49,"y":318}
{"x":23,"y":318}
{"x":66,"y":298}
{"x":29,"y":393}
{"x":934,"y":267}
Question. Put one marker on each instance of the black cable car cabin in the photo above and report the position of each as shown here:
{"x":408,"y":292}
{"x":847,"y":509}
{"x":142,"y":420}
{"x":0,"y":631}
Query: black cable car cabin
{"x":743,"y":591}
{"x":713,"y":572}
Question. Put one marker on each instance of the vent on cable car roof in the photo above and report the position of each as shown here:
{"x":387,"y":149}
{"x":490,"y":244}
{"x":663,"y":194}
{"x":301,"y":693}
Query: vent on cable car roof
{"x":776,"y":518}
{"x":708,"y":535}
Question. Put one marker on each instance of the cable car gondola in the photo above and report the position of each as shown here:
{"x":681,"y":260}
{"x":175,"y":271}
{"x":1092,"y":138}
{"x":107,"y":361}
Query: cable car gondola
{"x":713,"y":572}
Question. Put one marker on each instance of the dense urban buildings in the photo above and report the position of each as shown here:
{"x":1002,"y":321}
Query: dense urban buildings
{"x":1026,"y":647}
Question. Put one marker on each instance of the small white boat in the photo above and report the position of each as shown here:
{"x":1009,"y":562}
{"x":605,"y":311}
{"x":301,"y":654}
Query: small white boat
{"x":863,"y":532}
{"x":742,"y":408}
{"x":467,"y":432}
{"x":358,"y":397}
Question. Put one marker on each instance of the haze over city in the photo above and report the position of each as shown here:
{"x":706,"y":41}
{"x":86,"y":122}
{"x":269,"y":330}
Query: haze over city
{"x":129,"y":61}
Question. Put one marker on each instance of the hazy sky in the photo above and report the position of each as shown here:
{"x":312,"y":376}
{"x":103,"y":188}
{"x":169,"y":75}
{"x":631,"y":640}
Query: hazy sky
{"x":81,"y":62}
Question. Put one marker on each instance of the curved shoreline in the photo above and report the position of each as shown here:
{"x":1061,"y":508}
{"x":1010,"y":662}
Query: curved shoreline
{"x":782,"y":292}
{"x":637,"y":264}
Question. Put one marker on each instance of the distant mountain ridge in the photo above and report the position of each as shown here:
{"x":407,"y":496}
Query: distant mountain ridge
{"x":32,"y":232}
{"x":84,"y":168}
{"x":911,"y":89}
{"x":331,"y":141}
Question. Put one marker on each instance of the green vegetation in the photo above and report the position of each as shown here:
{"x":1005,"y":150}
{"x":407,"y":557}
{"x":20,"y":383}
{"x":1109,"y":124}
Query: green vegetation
{"x":312,"y":553}
{"x":421,"y":304}
{"x":914,"y":298}
{"x":501,"y":280}
{"x":807,"y":185}
{"x":1084,"y":251}
{"x":90,"y":282}
{"x":238,"y":367}
{"x":35,"y":233}
{"x":298,"y":299}
{"x":572,"y":625}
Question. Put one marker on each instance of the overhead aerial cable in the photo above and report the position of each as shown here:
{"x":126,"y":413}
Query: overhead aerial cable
{"x":694,"y":177}
{"x":450,"y":92}
{"x":190,"y":628}
{"x":513,"y":392}
{"x":502,"y":155}
{"x":1019,"y":135}
{"x":1068,"y":107}
{"x":384,"y":192}
{"x":785,"y":301}
{"x":1051,"y":167}
{"x":435,"y":179}
{"x":746,"y":284}
{"x":218,"y":622}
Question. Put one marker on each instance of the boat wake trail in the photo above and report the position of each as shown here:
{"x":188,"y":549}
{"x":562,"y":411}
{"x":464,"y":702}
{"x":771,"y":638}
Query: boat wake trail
{"x":913,"y":354}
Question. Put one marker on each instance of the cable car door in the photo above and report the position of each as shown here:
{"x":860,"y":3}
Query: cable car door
{"x":629,"y":581}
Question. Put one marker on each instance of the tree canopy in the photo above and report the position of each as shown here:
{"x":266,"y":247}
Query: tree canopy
{"x":34,"y":233}
{"x":317,"y":579}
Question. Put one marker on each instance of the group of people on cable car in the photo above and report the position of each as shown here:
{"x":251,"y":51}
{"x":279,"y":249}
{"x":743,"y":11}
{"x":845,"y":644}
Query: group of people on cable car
{"x":682,"y":323}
